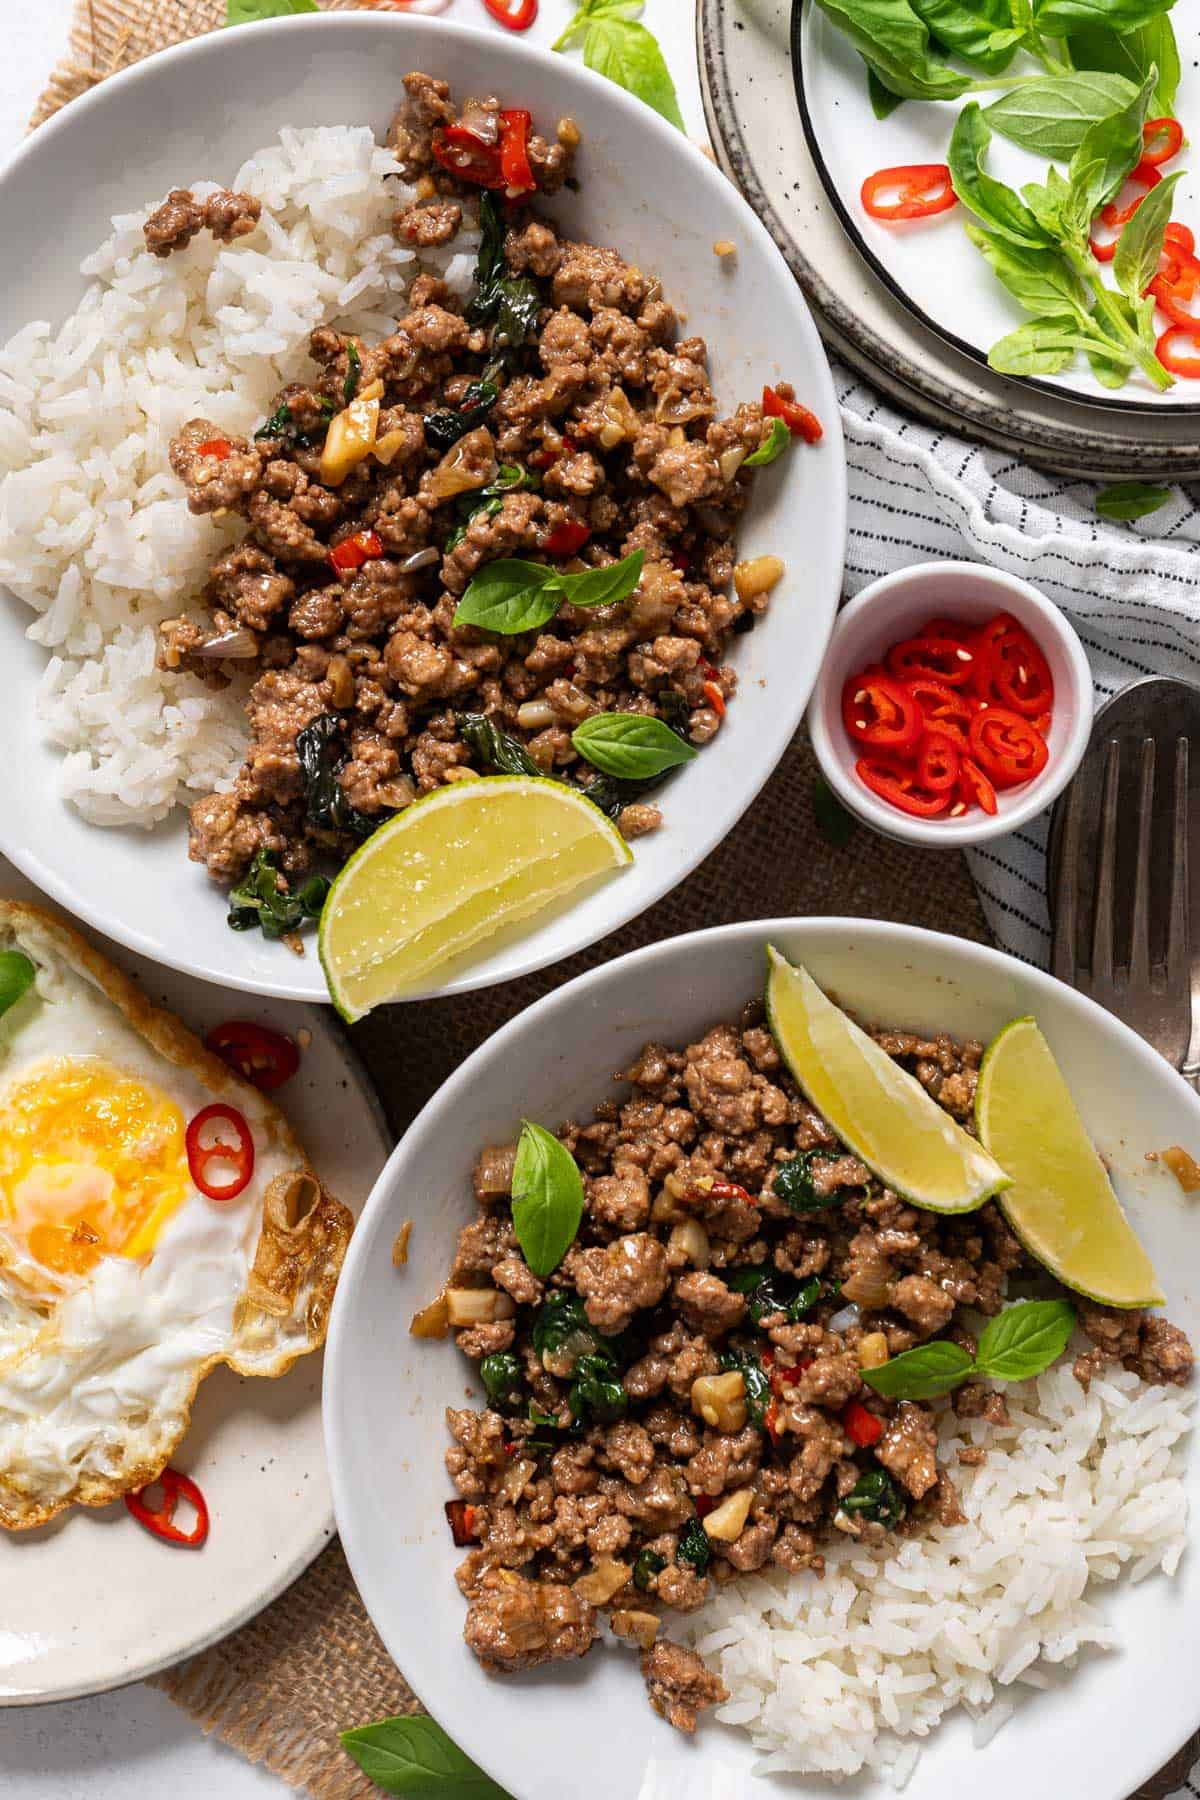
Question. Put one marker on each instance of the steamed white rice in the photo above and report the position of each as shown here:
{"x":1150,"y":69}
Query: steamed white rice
{"x":95,"y":535}
{"x":832,"y":1675}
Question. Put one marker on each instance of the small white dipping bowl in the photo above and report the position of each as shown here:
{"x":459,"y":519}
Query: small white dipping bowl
{"x":895,"y":607}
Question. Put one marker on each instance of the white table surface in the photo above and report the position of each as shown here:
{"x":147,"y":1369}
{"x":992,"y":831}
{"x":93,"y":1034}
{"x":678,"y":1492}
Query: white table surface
{"x":134,"y":1744}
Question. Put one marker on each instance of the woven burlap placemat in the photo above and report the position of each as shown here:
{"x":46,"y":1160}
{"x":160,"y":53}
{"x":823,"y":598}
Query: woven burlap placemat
{"x":281,"y":1689}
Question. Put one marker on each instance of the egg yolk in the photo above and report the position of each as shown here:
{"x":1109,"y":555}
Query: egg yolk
{"x":92,"y":1163}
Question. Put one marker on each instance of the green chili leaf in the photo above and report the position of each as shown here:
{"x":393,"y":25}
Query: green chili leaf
{"x":895,"y":43}
{"x":1133,"y":54}
{"x":1130,"y":500}
{"x":414,"y":1756}
{"x":1001,"y":209}
{"x":771,"y":448}
{"x":601,"y":587}
{"x":1023,"y":1340}
{"x":245,"y":12}
{"x":631,"y":746}
{"x":547,"y":1199}
{"x":921,"y":1374}
{"x":1051,"y":116}
{"x":510,"y":596}
{"x":17,"y":973}
{"x":834,"y":823}
{"x":1140,"y":244}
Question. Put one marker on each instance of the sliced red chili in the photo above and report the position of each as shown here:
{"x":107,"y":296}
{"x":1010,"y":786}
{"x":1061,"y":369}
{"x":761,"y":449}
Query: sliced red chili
{"x":917,"y":190}
{"x":1007,"y":747}
{"x":514,"y":15}
{"x":460,"y":1516}
{"x":1145,"y":177}
{"x":353,"y":552}
{"x":943,"y":708}
{"x":218,"y":447}
{"x":207,"y":1154}
{"x":931,"y":658}
{"x":799,"y":421}
{"x":1170,"y":353}
{"x":1021,"y":678}
{"x":1103,"y":249}
{"x":771,"y":1421}
{"x":881,"y":713}
{"x":729,"y":1190}
{"x":1163,"y":139}
{"x":258,"y":1054}
{"x":715,"y":698}
{"x":937,"y":763}
{"x":567,"y":539}
{"x":160,"y":1519}
{"x":1180,"y":236}
{"x":514,"y":152}
{"x":974,"y":787}
{"x":893,"y":782}
{"x":1176,"y":287}
{"x":467,"y":156}
{"x":860,"y":1426}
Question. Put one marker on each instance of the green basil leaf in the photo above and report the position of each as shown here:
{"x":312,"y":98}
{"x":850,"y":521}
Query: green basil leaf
{"x":245,"y":12}
{"x":1108,"y":150}
{"x":980,"y":33}
{"x":1051,"y":116}
{"x":921,"y":1374}
{"x":1025,"y":1339}
{"x":1001,"y":210}
{"x":895,"y":43}
{"x":1129,"y":500}
{"x":547,"y":1199}
{"x":1139,"y":246}
{"x":1057,"y":18}
{"x":1041,"y":347}
{"x":509,"y":596}
{"x":596,"y":9}
{"x":1133,"y":54}
{"x":496,"y":749}
{"x":17,"y":974}
{"x":883,"y":101}
{"x":631,"y":746}
{"x":1040,"y":279}
{"x":771,"y":448}
{"x":1049,"y":203}
{"x":834,"y":823}
{"x":414,"y":1756}
{"x":628,"y":54}
{"x":601,"y":587}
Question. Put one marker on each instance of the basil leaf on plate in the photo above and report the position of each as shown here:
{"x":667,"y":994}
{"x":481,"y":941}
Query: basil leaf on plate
{"x":631,"y":746}
{"x":997,"y":205}
{"x":895,"y":43}
{"x":510,"y":596}
{"x":1024,"y":1339}
{"x":980,"y":32}
{"x":1040,"y":347}
{"x":17,"y":973}
{"x":883,"y":101}
{"x":628,"y":54}
{"x":414,"y":1756}
{"x":1058,"y":18}
{"x":1130,"y":500}
{"x":1107,"y":152}
{"x":1133,"y":54}
{"x":547,"y":1199}
{"x":1140,"y":244}
{"x":1050,"y":117}
{"x":1039,"y":278}
{"x":601,"y":587}
{"x":921,"y":1374}
{"x":245,"y":12}
{"x":771,"y":448}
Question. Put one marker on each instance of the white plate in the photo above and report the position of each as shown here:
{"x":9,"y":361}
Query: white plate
{"x":198,"y":110}
{"x":1117,"y":1719}
{"x":91,"y":1600}
{"x":931,"y":266}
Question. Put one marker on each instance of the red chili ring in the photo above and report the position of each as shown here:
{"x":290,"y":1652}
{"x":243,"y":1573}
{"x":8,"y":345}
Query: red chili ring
{"x":159,"y":1521}
{"x":201,"y":1156}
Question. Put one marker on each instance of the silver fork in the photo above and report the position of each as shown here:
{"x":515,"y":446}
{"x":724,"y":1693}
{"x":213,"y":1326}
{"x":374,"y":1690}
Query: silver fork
{"x":1152,"y":997}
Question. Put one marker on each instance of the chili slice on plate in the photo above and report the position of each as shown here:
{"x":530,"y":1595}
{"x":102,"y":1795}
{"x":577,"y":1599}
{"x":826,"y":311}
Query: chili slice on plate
{"x":1162,"y":139}
{"x":259,"y":1055}
{"x":943,"y":708}
{"x":565,"y":539}
{"x":860,"y":1426}
{"x":932,"y":659}
{"x":880,"y":713}
{"x":1007,"y":747}
{"x":1021,"y":678}
{"x":937,"y":763}
{"x":221,"y":448}
{"x":1146,"y":177}
{"x":514,"y":15}
{"x":353,"y":552}
{"x":974,"y":787}
{"x":207,"y":1153}
{"x":1170,"y":353}
{"x":799,"y":420}
{"x":515,"y":167}
{"x":160,"y":1520}
{"x":896,"y":783}
{"x":918,"y":190}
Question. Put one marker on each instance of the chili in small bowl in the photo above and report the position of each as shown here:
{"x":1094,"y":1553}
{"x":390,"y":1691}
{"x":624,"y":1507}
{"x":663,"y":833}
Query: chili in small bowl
{"x":954,"y":704}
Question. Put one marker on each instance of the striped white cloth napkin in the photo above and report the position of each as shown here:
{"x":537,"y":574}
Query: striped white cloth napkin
{"x":1132,"y":592}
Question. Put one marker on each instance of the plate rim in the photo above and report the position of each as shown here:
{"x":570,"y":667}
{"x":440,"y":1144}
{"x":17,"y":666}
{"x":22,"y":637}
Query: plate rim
{"x":1070,"y":396}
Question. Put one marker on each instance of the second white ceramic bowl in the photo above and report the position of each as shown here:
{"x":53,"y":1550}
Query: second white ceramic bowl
{"x":895,"y":607}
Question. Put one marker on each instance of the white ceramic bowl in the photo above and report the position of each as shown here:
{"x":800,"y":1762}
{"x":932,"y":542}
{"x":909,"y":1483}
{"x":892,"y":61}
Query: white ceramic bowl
{"x":197,"y":111}
{"x":894,"y":607}
{"x":585,"y":1729}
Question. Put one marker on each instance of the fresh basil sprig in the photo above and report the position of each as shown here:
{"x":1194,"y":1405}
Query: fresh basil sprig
{"x":1052,"y":115}
{"x":1133,"y":54}
{"x":547,"y":1199}
{"x":245,"y":12}
{"x":414,"y":1756}
{"x":1019,"y":1342}
{"x":617,"y":46}
{"x":511,"y":596}
{"x":17,"y":972}
{"x":895,"y":43}
{"x":771,"y":448}
{"x":1126,"y":500}
{"x":631,"y":746}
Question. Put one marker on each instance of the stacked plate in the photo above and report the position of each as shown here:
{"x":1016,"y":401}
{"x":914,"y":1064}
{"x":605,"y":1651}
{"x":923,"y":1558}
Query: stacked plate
{"x":913,"y":310}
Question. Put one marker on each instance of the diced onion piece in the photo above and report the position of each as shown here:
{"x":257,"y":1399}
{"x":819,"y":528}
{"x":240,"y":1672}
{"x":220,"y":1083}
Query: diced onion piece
{"x":691,"y":1240}
{"x":869,"y":1287}
{"x":229,"y":646}
{"x":622,"y":422}
{"x":872,"y":1350}
{"x":757,"y":577}
{"x":845,"y":1318}
{"x":478,"y":1306}
{"x":351,"y":438}
{"x":604,"y":1579}
{"x":340,"y":677}
{"x":535,"y":715}
{"x":1183,"y":1167}
{"x":726,"y":1522}
{"x":640,"y":1627}
{"x":372,"y":391}
{"x":420,"y":559}
{"x":515,"y":1478}
{"x":388,"y":447}
{"x":433,"y":1321}
{"x":730,"y":461}
{"x":720,"y":1400}
{"x":466,"y":466}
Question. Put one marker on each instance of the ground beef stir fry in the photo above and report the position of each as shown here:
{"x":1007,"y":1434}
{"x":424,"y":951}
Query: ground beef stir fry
{"x":558,"y":417}
{"x":682,"y":1401}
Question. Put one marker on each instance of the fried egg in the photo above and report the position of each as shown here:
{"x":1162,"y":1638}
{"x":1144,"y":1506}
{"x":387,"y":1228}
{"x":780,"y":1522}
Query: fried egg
{"x":122,"y":1283}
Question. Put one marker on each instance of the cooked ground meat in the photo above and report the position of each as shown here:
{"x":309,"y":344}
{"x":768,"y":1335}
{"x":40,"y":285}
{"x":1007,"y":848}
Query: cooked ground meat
{"x":593,"y":435}
{"x":678,"y":1683}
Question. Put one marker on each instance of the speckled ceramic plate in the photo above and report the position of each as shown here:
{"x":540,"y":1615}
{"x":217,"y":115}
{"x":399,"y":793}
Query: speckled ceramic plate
{"x":750,"y":103}
{"x":90,"y":1600}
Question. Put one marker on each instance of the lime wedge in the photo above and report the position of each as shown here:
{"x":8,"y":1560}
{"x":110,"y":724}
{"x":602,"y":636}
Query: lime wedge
{"x":877,"y":1108}
{"x":448,"y":872}
{"x":1061,"y":1203}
